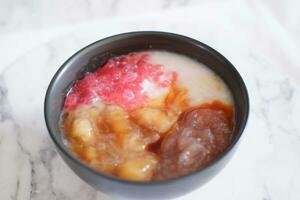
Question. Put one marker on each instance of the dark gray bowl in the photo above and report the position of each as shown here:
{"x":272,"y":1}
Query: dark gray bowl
{"x":93,"y":56}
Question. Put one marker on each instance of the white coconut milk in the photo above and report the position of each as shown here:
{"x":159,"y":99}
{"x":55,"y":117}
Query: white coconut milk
{"x":203,"y":84}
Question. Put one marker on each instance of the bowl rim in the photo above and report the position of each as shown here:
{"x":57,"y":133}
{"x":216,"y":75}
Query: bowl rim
{"x":176,"y":36}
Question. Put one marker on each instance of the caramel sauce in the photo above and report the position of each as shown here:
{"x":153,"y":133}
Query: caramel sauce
{"x":155,"y":147}
{"x":125,"y":136}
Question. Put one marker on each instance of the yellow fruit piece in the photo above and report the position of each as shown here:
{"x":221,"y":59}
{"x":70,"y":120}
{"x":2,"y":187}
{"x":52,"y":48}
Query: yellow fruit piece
{"x":138,"y":169}
{"x":82,"y":129}
{"x":90,"y":153}
{"x":154,"y":119}
{"x":105,"y":166}
{"x":117,"y":119}
{"x":72,"y":119}
{"x":108,"y":168}
{"x":133,"y":142}
{"x":177,"y":99}
{"x":157,"y":102}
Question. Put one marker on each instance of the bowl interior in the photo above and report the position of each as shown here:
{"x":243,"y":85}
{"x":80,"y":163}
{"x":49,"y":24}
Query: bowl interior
{"x":96,"y":54}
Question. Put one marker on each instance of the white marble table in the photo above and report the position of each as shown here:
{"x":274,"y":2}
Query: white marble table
{"x":260,"y":38}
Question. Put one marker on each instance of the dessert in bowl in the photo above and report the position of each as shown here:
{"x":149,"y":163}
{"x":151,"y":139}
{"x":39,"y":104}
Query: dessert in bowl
{"x":146,"y":114}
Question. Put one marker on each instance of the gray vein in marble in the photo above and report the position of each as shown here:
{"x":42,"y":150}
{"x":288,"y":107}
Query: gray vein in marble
{"x":46,"y":155}
{"x":284,"y":93}
{"x":15,"y":196}
{"x":40,"y":163}
{"x":267,"y":193}
{"x":51,"y":52}
{"x":290,"y":131}
{"x":264,"y":111}
{"x":287,"y":90}
{"x":18,"y":188}
{"x":33,"y":183}
{"x":6,"y":115}
{"x":4,"y":109}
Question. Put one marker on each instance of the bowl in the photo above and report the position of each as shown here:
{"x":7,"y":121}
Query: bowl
{"x":96,"y":54}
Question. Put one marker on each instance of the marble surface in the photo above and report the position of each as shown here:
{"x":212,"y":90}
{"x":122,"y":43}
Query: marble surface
{"x":261,"y":38}
{"x":35,"y":14}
